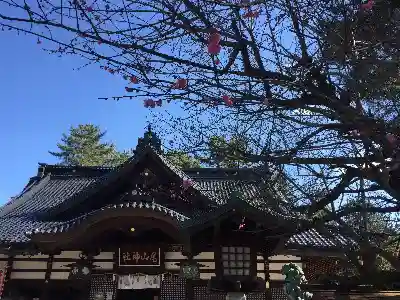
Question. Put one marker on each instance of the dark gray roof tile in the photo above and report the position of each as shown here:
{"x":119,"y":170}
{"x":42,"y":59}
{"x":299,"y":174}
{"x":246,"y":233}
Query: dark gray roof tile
{"x":12,"y":229}
{"x":62,"y":185}
{"x":313,"y":238}
{"x":65,"y":226}
{"x":48,"y":192}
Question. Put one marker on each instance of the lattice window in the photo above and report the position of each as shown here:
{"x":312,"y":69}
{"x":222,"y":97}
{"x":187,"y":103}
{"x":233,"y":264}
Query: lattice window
{"x":278,"y":294}
{"x":173,"y":288}
{"x":316,"y":268}
{"x":103,"y":284}
{"x":256,"y":296}
{"x":201,"y":293}
{"x":236,"y":260}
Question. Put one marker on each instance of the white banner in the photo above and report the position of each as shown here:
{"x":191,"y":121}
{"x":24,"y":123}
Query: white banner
{"x":139,"y":282}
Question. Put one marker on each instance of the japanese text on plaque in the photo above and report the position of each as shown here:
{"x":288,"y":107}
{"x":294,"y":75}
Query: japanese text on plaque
{"x":142,"y":258}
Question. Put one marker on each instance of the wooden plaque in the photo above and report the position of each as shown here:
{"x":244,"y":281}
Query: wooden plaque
{"x":141,"y":257}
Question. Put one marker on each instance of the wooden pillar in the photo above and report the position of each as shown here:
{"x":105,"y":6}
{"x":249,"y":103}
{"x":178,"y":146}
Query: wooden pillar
{"x":217,"y":250}
{"x":189,"y":287}
{"x":47,"y":275}
{"x":115,"y":272}
{"x":85,"y":288}
{"x":268,"y":292}
{"x":7,"y":274}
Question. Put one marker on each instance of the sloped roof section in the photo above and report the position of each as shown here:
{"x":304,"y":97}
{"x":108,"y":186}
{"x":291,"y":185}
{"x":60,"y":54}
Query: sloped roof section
{"x":58,"y":227}
{"x":47,"y":193}
{"x":13,"y":229}
{"x":313,"y":238}
{"x":61,"y":187}
{"x":58,"y":187}
{"x":111,"y":175}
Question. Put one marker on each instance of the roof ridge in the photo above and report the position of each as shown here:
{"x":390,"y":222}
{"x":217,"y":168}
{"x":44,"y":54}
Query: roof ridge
{"x":220,"y":169}
{"x":55,"y":166}
{"x":183,"y":175}
{"x":76,"y":175}
{"x":45,"y":169}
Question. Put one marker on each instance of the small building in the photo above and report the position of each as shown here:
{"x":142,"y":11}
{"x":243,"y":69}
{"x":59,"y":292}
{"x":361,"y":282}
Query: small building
{"x":149,"y":230}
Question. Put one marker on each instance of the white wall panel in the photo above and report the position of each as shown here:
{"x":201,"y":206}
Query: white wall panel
{"x":29,"y":264}
{"x":276,"y":276}
{"x":205,"y":255}
{"x":284,"y":257}
{"x":170,"y":265}
{"x":174,"y":255}
{"x":61,"y":265}
{"x":207,"y":265}
{"x":103,"y":265}
{"x":260,"y":267}
{"x":262,"y":275}
{"x":206,"y":275}
{"x":59,"y":275}
{"x":105,"y":255}
{"x":27,"y":275}
{"x":32,"y":256}
{"x":278,"y":266}
{"x":68,"y":254}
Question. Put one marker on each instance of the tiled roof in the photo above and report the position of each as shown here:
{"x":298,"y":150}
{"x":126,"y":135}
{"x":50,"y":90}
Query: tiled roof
{"x":48,"y":192}
{"x":111,"y":175}
{"x":251,"y":190}
{"x":180,"y":173}
{"x":59,"y":186}
{"x":312,"y":238}
{"x":17,"y":229}
{"x":238,"y":203}
{"x":12,"y":229}
{"x":66,"y":226}
{"x":222,"y":189}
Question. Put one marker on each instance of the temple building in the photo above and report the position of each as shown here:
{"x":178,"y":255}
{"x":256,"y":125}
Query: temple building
{"x":149,"y":230}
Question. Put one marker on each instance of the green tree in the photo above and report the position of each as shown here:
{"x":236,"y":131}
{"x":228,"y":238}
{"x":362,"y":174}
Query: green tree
{"x":339,"y":69}
{"x":83,"y":146}
{"x":226,"y":153}
{"x":372,"y":226}
{"x":182,"y":160}
{"x":219,"y":152}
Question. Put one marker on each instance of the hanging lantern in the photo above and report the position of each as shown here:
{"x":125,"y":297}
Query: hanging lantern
{"x":190,"y":270}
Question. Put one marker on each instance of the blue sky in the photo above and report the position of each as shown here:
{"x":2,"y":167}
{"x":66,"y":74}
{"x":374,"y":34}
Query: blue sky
{"x":42,"y":96}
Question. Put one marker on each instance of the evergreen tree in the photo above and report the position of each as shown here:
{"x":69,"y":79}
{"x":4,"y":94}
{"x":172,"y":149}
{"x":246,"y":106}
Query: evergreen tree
{"x":226,"y":153}
{"x":83,"y":146}
{"x":182,"y":160}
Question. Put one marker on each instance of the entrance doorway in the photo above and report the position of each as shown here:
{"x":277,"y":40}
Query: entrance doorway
{"x":143,"y":294}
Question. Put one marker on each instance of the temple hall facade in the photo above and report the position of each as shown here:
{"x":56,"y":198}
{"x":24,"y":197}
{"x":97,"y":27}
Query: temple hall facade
{"x":150,"y":230}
